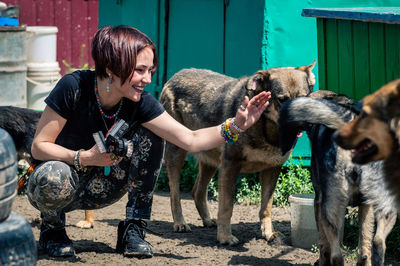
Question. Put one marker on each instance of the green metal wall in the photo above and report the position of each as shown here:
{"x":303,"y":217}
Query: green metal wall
{"x":291,"y":40}
{"x":235,"y":37}
{"x":357,"y":58}
{"x":220,"y":35}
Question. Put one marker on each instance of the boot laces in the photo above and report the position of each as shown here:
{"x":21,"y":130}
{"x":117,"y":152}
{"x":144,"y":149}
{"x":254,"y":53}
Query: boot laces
{"x":139,"y":227}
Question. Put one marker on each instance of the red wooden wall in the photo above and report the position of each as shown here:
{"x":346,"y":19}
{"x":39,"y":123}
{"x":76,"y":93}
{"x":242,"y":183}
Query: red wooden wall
{"x":76,"y":20}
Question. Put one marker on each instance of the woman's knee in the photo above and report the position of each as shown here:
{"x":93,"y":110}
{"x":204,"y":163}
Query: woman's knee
{"x":52,"y":185}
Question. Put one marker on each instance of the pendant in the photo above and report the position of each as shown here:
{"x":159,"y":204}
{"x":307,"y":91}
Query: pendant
{"x":107,"y":170}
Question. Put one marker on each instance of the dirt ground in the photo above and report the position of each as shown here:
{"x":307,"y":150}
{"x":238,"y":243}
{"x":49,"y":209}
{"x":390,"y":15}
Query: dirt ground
{"x":200,"y":247}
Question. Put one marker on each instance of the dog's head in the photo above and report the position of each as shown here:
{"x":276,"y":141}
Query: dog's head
{"x":374,"y":134}
{"x":284,"y":83}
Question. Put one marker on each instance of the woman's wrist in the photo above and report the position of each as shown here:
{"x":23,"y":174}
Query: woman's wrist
{"x":235,"y":127}
{"x":77,"y":161}
{"x":230,"y":131}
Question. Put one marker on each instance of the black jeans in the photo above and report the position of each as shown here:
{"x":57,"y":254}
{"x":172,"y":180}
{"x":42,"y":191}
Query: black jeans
{"x":55,"y":187}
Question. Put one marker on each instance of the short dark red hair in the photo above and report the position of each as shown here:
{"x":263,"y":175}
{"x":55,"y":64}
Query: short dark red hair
{"x":116,"y":48}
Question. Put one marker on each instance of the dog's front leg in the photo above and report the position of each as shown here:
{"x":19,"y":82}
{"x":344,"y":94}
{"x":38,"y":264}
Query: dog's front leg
{"x":229,"y":171}
{"x":174,"y":160}
{"x":268,"y":179}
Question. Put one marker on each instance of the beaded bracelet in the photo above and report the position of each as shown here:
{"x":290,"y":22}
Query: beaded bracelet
{"x":236,"y":126}
{"x":77,"y":161}
{"x":226,"y":133}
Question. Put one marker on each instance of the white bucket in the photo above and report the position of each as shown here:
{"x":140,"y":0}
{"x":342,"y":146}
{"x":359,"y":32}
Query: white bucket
{"x":41,"y":79}
{"x":304,"y":231}
{"x":42,"y":43}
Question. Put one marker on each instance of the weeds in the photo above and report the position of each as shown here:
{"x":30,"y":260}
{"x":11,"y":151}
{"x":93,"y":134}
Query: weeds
{"x":294,"y":179}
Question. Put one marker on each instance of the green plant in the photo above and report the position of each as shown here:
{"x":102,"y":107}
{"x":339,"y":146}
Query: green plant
{"x":247,"y":193}
{"x":315,"y":248}
{"x":350,"y":253}
{"x":294,"y":178}
{"x":213,"y":189}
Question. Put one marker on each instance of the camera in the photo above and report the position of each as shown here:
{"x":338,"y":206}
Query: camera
{"x":114,"y":138}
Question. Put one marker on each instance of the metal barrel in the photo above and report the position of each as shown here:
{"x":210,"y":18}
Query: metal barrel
{"x":13,"y":67}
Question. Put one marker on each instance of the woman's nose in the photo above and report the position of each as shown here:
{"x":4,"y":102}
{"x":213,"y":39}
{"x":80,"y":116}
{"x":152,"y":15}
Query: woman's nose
{"x":147,"y":77}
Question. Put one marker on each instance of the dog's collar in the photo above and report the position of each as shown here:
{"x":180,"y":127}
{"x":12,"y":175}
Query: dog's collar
{"x":356,"y":107}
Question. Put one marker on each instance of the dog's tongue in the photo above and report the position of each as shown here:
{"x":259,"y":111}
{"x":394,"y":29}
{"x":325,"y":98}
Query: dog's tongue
{"x":300,"y":134}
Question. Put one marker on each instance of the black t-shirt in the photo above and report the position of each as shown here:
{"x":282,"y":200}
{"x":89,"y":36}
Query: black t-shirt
{"x":74,"y":99}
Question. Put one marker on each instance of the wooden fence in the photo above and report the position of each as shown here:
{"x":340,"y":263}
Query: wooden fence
{"x":76,"y":20}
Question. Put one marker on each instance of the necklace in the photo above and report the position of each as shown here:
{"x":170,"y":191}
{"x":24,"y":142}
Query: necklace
{"x":115,"y":115}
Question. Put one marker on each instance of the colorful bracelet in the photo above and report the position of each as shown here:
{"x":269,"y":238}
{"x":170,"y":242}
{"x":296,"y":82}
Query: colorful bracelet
{"x":226,"y":133}
{"x":77,"y":161}
{"x":236,"y":126}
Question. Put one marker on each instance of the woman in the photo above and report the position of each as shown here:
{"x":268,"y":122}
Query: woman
{"x":75,"y":173}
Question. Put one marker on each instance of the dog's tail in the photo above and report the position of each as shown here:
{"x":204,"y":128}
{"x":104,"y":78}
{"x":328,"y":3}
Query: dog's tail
{"x":302,"y":113}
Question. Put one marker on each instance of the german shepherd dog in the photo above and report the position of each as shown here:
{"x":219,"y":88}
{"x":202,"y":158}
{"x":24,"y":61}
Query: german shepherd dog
{"x":337,"y":181}
{"x":202,"y":98}
{"x":21,"y":124}
{"x":375,"y":133}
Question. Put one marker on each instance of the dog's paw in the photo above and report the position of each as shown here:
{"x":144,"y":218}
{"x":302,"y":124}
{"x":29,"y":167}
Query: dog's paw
{"x":210,"y":223}
{"x":276,"y":239}
{"x":182,"y":228}
{"x":84,"y":224}
{"x":230,"y":240}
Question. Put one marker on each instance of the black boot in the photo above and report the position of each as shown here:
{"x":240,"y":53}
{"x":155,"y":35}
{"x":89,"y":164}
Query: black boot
{"x":131,"y":239}
{"x":55,"y":242}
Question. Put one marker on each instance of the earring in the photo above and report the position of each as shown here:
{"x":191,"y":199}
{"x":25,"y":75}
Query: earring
{"x":108,"y":83}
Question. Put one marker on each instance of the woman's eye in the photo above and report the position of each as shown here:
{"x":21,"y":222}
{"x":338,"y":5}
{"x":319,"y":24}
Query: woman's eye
{"x":139,"y":70}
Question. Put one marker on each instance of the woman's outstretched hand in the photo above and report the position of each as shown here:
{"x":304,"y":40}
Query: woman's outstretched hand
{"x":250,"y":111}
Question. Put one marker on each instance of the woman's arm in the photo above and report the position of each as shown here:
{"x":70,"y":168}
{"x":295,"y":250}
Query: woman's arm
{"x":44,"y":147}
{"x":171,"y":130}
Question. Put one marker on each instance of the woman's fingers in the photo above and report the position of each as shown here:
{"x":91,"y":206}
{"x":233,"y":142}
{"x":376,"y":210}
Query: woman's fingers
{"x":245,"y":102}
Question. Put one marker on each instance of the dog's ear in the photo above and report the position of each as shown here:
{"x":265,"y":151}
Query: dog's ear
{"x":259,"y":81}
{"x":393,"y":110}
{"x":308,"y":69}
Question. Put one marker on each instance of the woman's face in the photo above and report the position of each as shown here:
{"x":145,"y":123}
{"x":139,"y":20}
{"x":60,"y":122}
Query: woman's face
{"x":133,"y":88}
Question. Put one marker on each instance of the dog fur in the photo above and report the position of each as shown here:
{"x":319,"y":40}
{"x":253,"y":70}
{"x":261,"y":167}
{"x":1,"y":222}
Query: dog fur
{"x":337,"y":181}
{"x":202,"y":98}
{"x":21,"y":124}
{"x":375,"y":133}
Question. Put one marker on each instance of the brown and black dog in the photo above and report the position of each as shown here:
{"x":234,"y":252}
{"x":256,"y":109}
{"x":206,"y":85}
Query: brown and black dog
{"x":21,"y":124}
{"x":375,"y":134}
{"x":200,"y":98}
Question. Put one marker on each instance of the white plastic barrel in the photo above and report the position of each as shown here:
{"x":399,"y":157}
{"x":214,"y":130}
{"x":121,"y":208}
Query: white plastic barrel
{"x":42,"y":44}
{"x":303,"y":227}
{"x":41,"y":79}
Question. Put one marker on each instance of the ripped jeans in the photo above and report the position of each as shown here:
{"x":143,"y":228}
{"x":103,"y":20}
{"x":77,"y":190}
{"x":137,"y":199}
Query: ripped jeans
{"x":55,"y":187}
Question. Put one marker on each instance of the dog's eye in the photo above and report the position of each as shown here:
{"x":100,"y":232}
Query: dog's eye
{"x":282,"y":99}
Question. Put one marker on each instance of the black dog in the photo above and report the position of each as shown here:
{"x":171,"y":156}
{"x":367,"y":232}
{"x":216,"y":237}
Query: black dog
{"x":21,"y":124}
{"x":337,"y":181}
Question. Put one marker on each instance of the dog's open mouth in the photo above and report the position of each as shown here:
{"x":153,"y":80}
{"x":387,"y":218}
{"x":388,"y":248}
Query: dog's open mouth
{"x":364,"y":151}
